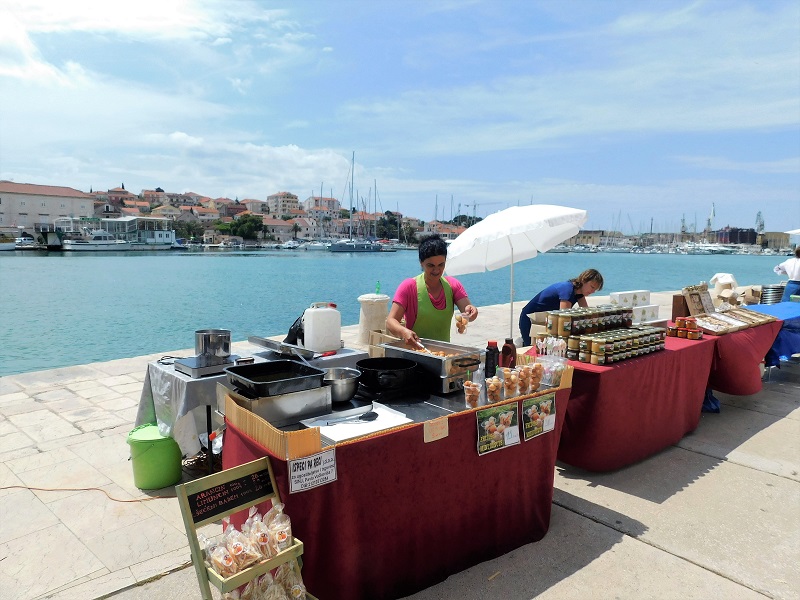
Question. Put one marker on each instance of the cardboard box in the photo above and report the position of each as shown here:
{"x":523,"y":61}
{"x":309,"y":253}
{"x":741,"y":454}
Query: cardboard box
{"x":730,"y":296}
{"x":648,"y":312}
{"x":631,"y":298}
{"x":376,"y":338}
{"x":679,"y":306}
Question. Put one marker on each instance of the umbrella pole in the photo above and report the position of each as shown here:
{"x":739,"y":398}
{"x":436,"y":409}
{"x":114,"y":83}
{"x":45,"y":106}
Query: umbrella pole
{"x":511,"y":308}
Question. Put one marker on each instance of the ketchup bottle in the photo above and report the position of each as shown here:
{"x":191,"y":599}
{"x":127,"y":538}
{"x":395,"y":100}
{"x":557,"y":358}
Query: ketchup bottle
{"x":508,"y":355}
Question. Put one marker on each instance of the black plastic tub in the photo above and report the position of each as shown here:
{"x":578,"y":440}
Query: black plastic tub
{"x":275,"y":377}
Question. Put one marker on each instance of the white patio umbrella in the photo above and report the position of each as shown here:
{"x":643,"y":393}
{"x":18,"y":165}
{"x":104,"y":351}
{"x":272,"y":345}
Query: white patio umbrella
{"x":511,"y":235}
{"x":793,"y":232}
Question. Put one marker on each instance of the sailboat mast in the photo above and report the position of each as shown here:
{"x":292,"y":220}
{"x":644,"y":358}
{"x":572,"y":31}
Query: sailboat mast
{"x":352,"y":179}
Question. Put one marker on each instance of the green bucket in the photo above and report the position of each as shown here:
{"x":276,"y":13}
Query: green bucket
{"x":156,"y":459}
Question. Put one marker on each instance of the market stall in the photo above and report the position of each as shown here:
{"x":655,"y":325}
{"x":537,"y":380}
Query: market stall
{"x":623,"y":413}
{"x":427,"y":510}
{"x":787,"y":342}
{"x":737,"y":356}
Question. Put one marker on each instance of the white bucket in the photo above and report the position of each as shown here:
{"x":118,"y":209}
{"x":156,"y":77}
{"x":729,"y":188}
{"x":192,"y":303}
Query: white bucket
{"x":374,"y":310}
{"x":322,"y":327}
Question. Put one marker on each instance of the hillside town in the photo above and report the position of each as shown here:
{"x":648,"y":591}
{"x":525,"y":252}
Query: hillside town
{"x":43,"y":216}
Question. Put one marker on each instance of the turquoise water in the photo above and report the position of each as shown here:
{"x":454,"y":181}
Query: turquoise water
{"x":62,"y":309}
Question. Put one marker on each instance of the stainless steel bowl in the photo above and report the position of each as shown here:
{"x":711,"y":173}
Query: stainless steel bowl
{"x":343,"y":383}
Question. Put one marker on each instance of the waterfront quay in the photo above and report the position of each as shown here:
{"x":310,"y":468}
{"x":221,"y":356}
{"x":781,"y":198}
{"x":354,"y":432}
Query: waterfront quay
{"x":717,"y":515}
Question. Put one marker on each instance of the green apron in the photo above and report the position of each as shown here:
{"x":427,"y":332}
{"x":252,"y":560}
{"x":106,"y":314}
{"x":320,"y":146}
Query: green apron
{"x":432,"y":323}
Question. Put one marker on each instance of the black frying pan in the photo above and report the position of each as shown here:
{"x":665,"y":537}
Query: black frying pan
{"x":387,"y":373}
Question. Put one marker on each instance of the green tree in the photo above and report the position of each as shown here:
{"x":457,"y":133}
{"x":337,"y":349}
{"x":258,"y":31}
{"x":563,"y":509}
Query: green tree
{"x":247,"y":227}
{"x":188,"y":229}
{"x":295,"y":230}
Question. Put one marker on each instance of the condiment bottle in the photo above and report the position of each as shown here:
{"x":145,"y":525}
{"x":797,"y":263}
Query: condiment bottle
{"x":508,"y":355}
{"x":492,"y":359}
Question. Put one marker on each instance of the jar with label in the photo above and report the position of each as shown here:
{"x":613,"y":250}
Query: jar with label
{"x":682,"y":332}
{"x":598,"y":359}
{"x":552,"y":321}
{"x":573,"y":343}
{"x":680,"y":322}
{"x":565,"y":323}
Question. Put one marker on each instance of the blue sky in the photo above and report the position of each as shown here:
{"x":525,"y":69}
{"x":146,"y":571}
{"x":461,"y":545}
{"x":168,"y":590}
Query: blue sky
{"x":638,"y":112}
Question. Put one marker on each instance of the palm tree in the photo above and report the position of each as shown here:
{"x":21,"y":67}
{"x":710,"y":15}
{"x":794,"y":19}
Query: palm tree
{"x":295,"y":230}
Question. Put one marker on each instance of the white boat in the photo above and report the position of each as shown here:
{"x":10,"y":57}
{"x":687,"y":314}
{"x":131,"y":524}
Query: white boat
{"x":316,"y":246}
{"x":290,"y":245}
{"x":560,"y":249}
{"x":7,"y":242}
{"x":96,"y":240}
{"x":355,"y":246}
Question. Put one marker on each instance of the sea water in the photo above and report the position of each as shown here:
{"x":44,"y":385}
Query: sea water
{"x":61,"y":309}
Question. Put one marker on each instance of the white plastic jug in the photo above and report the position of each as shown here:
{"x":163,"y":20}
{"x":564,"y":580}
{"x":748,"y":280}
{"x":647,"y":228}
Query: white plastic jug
{"x":322,"y":327}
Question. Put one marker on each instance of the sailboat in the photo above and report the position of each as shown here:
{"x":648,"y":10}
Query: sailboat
{"x":351,"y":244}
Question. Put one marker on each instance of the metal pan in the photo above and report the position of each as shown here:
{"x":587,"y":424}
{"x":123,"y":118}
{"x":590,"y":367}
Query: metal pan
{"x":459,"y":359}
{"x":281,"y":347}
{"x":275,"y":377}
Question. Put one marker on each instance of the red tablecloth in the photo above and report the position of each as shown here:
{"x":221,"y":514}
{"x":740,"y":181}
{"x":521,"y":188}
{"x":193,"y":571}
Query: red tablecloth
{"x":621,"y":414}
{"x":737,"y":355}
{"x":404,"y":515}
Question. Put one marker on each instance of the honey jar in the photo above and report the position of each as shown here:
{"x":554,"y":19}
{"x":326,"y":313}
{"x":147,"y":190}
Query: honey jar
{"x":691,"y":323}
{"x":680,"y":323}
{"x":693,"y":334}
{"x":565,"y":323}
{"x":552,"y":321}
{"x":682,"y":331}
{"x":597,"y":359}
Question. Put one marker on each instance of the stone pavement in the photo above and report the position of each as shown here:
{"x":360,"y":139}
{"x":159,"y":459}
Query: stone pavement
{"x":715,"y":516}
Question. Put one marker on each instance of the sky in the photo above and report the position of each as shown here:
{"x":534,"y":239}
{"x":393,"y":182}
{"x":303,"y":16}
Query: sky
{"x":642,"y":113}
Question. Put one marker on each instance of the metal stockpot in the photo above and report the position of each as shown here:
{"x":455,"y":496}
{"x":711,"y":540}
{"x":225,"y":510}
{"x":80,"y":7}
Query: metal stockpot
{"x":214,"y":345}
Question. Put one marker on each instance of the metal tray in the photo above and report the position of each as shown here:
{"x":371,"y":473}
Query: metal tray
{"x":275,"y":377}
{"x":286,"y":409}
{"x":460,"y":360}
{"x":281,"y":347}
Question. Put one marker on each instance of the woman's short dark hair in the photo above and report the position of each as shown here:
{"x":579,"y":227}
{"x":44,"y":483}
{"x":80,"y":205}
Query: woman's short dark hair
{"x":587,"y":276}
{"x":797,"y":252}
{"x":432,"y":245}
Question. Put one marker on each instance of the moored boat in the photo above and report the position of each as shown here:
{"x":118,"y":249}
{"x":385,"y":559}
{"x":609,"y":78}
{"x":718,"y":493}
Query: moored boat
{"x":354,"y":246}
{"x":7,"y":241}
{"x":95,"y":240}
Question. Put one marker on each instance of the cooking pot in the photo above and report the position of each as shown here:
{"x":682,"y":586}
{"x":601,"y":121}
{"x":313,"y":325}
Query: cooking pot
{"x":213,"y":345}
{"x":343,"y":383}
{"x":387,"y":373}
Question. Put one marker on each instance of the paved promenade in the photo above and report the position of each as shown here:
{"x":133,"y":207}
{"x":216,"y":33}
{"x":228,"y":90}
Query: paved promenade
{"x":715,"y":516}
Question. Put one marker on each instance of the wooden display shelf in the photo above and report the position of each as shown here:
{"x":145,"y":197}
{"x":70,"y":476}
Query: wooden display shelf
{"x":217,"y":496}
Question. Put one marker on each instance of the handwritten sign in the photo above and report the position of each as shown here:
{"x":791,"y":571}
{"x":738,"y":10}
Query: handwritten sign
{"x":220,"y":498}
{"x":312,"y":471}
{"x":436,"y":429}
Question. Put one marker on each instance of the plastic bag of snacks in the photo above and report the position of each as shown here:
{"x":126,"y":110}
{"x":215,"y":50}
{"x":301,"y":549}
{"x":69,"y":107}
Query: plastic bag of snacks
{"x":280,"y":530}
{"x":244,"y":552}
{"x":218,"y":557}
{"x":288,"y":575}
{"x":553,"y":367}
{"x":255,"y":529}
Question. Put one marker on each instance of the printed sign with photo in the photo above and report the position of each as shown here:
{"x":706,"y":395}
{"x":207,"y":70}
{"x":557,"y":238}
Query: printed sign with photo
{"x":538,"y":416}
{"x":498,"y":427}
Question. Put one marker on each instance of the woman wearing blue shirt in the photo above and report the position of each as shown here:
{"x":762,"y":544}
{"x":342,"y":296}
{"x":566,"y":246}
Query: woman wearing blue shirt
{"x":559,"y":296}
